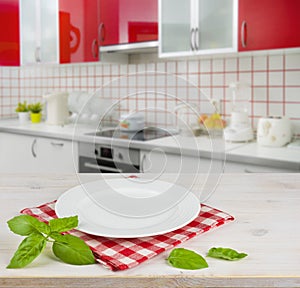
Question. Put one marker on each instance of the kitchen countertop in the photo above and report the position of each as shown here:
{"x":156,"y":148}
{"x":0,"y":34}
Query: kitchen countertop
{"x":266,"y":211}
{"x":248,"y":153}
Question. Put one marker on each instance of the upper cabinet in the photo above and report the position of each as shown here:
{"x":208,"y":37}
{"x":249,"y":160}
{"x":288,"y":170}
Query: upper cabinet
{"x":268,"y":24}
{"x":44,"y":31}
{"x":78,"y":30}
{"x":9,"y":33}
{"x":39,"y":31}
{"x":64,"y":31}
{"x":128,"y":21}
{"x":195,"y":27}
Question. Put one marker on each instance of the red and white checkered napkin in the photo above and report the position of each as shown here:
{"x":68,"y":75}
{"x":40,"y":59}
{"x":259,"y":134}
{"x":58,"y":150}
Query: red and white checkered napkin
{"x":120,"y":254}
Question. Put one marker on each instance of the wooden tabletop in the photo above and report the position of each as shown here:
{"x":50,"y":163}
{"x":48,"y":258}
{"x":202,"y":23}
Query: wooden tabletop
{"x":266,"y":208}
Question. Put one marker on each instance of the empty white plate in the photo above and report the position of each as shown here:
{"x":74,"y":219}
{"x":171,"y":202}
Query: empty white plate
{"x":95,"y":220}
{"x":135,"y":197}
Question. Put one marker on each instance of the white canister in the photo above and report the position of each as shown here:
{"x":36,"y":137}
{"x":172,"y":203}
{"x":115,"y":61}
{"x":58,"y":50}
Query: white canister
{"x":274,"y":131}
{"x":57,"y":108}
{"x":132,"y":122}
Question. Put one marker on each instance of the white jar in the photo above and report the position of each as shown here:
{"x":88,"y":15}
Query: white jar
{"x":274,"y":131}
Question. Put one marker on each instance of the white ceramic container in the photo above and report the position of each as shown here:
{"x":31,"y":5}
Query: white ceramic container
{"x":274,"y":131}
{"x":23,"y":117}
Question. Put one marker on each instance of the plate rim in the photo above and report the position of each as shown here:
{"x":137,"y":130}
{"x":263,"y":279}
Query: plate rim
{"x":78,"y":189}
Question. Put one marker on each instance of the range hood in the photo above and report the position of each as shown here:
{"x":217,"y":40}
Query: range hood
{"x":120,"y":53}
{"x":131,"y":48}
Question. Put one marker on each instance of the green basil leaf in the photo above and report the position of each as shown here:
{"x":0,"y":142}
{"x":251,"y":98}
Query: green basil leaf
{"x":57,"y":237}
{"x":186,"y":259}
{"x":63,"y":224}
{"x":28,"y":250}
{"x":25,"y":225}
{"x":225,"y":253}
{"x":73,"y":250}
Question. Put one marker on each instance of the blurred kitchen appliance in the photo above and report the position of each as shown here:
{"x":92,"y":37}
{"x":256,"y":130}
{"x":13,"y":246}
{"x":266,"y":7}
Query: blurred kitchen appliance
{"x":88,"y":109}
{"x":187,"y":119}
{"x":57,"y":108}
{"x":145,"y":134}
{"x":98,"y":158}
{"x":132,"y":122}
{"x":239,"y":129}
{"x":274,"y":131}
{"x":102,"y":158}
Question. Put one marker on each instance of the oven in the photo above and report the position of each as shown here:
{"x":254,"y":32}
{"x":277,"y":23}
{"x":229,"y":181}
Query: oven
{"x":105,"y":158}
{"x":98,"y":158}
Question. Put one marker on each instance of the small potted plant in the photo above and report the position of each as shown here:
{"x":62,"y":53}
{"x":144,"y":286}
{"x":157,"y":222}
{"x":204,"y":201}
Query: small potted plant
{"x":23,"y":112}
{"x":35,"y":112}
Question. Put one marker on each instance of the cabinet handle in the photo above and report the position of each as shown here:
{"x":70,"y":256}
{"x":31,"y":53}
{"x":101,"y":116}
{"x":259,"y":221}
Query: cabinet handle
{"x":99,"y":167}
{"x":33,"y":148}
{"x":244,"y":34}
{"x":38,"y":54}
{"x":101,"y":32}
{"x":246,"y":170}
{"x":142,"y":163}
{"x":57,"y":144}
{"x":95,"y":48}
{"x":192,"y":39}
{"x":196,"y":38}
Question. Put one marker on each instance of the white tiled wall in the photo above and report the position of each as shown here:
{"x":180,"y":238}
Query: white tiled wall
{"x":274,"y":80}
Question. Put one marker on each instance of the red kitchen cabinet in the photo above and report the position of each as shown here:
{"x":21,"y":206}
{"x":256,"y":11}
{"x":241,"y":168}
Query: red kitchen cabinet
{"x":128,"y":21}
{"x":78,"y":27}
{"x":78,"y":32}
{"x":268,"y":24}
{"x":9,"y":33}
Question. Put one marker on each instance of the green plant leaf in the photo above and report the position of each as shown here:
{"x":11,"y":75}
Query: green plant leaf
{"x":63,"y":224}
{"x":25,"y":225}
{"x":73,"y":250}
{"x":28,"y":250}
{"x":225,"y":253}
{"x":35,"y":107}
{"x":186,"y":259}
{"x":22,"y":107}
{"x":57,"y":237}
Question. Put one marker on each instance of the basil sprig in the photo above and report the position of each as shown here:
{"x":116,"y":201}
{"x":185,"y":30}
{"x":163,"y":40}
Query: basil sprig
{"x":186,"y":259}
{"x":225,"y":253}
{"x":70,"y":249}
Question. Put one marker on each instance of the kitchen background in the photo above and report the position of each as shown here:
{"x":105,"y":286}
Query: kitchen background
{"x":274,"y":79}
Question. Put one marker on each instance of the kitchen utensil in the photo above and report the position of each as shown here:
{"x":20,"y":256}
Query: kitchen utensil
{"x":187,"y":119}
{"x":132,"y":122}
{"x":57,"y":108}
{"x":97,"y":221}
{"x":239,"y":129}
{"x":274,"y":131}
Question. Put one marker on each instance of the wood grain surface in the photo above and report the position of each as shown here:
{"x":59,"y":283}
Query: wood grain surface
{"x":266,"y":227}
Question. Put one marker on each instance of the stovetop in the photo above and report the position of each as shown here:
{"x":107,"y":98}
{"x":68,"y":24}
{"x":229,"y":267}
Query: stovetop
{"x":146,"y":134}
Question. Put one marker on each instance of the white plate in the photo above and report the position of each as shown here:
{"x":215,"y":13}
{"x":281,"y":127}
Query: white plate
{"x":139,"y":197}
{"x":95,"y":220}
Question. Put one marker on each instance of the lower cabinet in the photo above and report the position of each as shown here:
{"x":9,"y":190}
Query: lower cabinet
{"x":29,"y":154}
{"x":161,"y":162}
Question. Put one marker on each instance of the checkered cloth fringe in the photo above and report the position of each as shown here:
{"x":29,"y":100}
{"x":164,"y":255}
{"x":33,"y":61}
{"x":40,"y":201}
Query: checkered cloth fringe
{"x":121,"y":254}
